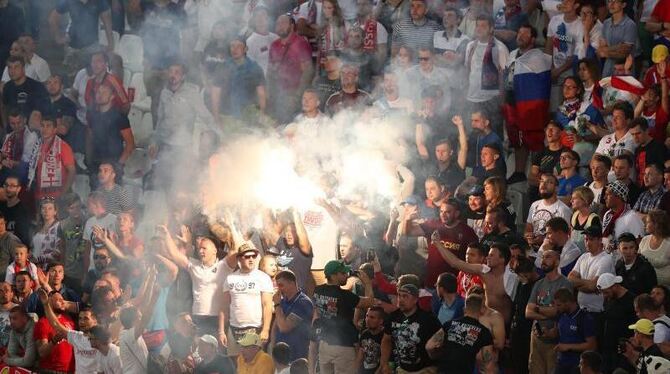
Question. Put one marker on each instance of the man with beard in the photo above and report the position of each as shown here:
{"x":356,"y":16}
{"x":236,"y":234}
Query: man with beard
{"x":15,"y":211}
{"x":85,"y":357}
{"x":406,"y":333}
{"x":55,"y":353}
{"x":619,"y":218}
{"x":454,"y":236}
{"x":23,"y":284}
{"x":558,"y":239}
{"x":53,"y":283}
{"x":21,"y":350}
{"x":545,"y":209}
{"x":475,"y":254}
{"x":499,"y":282}
{"x":589,"y":267}
{"x":17,"y":147}
{"x":390,"y":103}
{"x":333,"y":319}
{"x":476,"y":211}
{"x":496,"y":230}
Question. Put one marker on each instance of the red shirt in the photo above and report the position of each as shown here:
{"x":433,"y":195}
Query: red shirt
{"x":62,"y":354}
{"x":661,"y":11}
{"x":120,"y":100}
{"x":465,"y":281}
{"x":658,"y":122}
{"x":651,"y":77}
{"x":286,"y":59}
{"x":456,"y":239}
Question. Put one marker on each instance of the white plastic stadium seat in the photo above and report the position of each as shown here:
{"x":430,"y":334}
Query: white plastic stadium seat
{"x":102,"y":37}
{"x":81,"y":186}
{"x":127,"y":76}
{"x":135,"y":118}
{"x":131,"y":49}
{"x":141,"y":101}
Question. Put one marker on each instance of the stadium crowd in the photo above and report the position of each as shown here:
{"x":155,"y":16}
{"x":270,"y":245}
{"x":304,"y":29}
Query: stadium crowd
{"x":528,"y":231}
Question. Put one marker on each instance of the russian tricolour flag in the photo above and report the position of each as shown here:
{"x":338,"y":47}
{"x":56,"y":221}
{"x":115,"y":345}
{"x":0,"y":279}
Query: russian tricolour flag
{"x":532,"y":88}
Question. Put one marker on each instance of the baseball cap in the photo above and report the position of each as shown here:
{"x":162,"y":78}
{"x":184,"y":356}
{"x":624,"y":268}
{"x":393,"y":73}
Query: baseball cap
{"x":250,"y":339}
{"x":410,"y":289}
{"x":608,"y":280}
{"x":335,"y":266}
{"x":209,"y":339}
{"x":594,"y":231}
{"x":476,"y":190}
{"x":618,"y":188}
{"x":643,"y":326}
{"x":659,"y":53}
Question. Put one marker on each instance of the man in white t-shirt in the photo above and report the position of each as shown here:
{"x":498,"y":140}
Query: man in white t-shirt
{"x":541,"y":211}
{"x":247,"y":298}
{"x":565,"y":39}
{"x":589,"y":266}
{"x":207,"y":276}
{"x":620,"y":141}
{"x":109,"y":356}
{"x":258,"y":43}
{"x":99,"y":218}
{"x":485,"y":59}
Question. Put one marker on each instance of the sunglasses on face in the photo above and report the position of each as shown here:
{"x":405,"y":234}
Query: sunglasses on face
{"x":246,"y":257}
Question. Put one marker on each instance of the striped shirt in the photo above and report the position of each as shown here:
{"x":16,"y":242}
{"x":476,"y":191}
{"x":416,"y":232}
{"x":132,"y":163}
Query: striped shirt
{"x":649,"y":200}
{"x":408,"y":33}
{"x":118,"y":199}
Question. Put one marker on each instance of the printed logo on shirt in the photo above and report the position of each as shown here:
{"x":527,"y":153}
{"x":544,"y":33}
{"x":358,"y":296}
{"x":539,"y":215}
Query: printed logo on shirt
{"x":463,"y":334}
{"x":407,"y":340}
{"x":327,"y":306}
{"x":313,"y":219}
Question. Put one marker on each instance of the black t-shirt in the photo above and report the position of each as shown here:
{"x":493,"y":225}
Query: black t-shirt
{"x":219,"y":365}
{"x":547,"y":160}
{"x":619,"y":314}
{"x":410,"y":334}
{"x":464,"y":337}
{"x":293,"y":259}
{"x":85,"y":23}
{"x":371,"y":344}
{"x":18,"y":220}
{"x":28,"y":97}
{"x":336,"y":314}
{"x":106,"y":130}
{"x":62,"y":107}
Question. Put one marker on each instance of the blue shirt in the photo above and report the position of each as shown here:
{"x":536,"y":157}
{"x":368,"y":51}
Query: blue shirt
{"x":298,"y":338}
{"x":567,"y":185}
{"x":446,"y":313}
{"x":574,"y":328}
{"x":240,"y":83}
{"x":34,"y":305}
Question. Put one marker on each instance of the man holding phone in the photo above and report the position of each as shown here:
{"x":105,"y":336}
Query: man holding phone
{"x":541,"y":310}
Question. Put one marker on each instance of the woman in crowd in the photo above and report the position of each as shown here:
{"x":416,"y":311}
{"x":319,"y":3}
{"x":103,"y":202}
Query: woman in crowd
{"x":583,"y":217}
{"x":656,"y":245}
{"x":45,"y":242}
{"x":589,"y":73}
{"x":495,"y":193}
{"x":332,"y":31}
{"x":661,"y":296}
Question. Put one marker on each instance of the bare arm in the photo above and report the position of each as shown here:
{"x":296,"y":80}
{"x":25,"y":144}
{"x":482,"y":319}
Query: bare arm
{"x":387,"y":346}
{"x":419,"y":138}
{"x":498,"y":333}
{"x":128,"y":145}
{"x":171,"y":268}
{"x":147,"y":308}
{"x":214,"y":101}
{"x":106,"y":18}
{"x":266,"y":299}
{"x":54,"y":23}
{"x":487,"y":359}
{"x":262,"y":98}
{"x":534,"y":311}
{"x":303,"y":239}
{"x":222,"y":319}
{"x":435,"y":344}
{"x":462,"y":145}
{"x":588,"y":345}
{"x":454,"y":261}
{"x":179,"y":258}
{"x":51,"y":316}
{"x":70,"y":172}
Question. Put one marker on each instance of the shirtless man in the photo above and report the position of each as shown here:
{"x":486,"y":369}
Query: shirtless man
{"x":492,"y":319}
{"x":494,"y":275}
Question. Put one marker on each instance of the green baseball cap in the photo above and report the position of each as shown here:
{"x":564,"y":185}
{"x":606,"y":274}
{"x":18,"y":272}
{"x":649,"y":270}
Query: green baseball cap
{"x":335,"y":266}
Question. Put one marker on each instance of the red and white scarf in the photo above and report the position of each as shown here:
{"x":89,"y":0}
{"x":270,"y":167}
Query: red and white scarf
{"x":13,"y":145}
{"x":370,"y":40}
{"x":50,"y":165}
